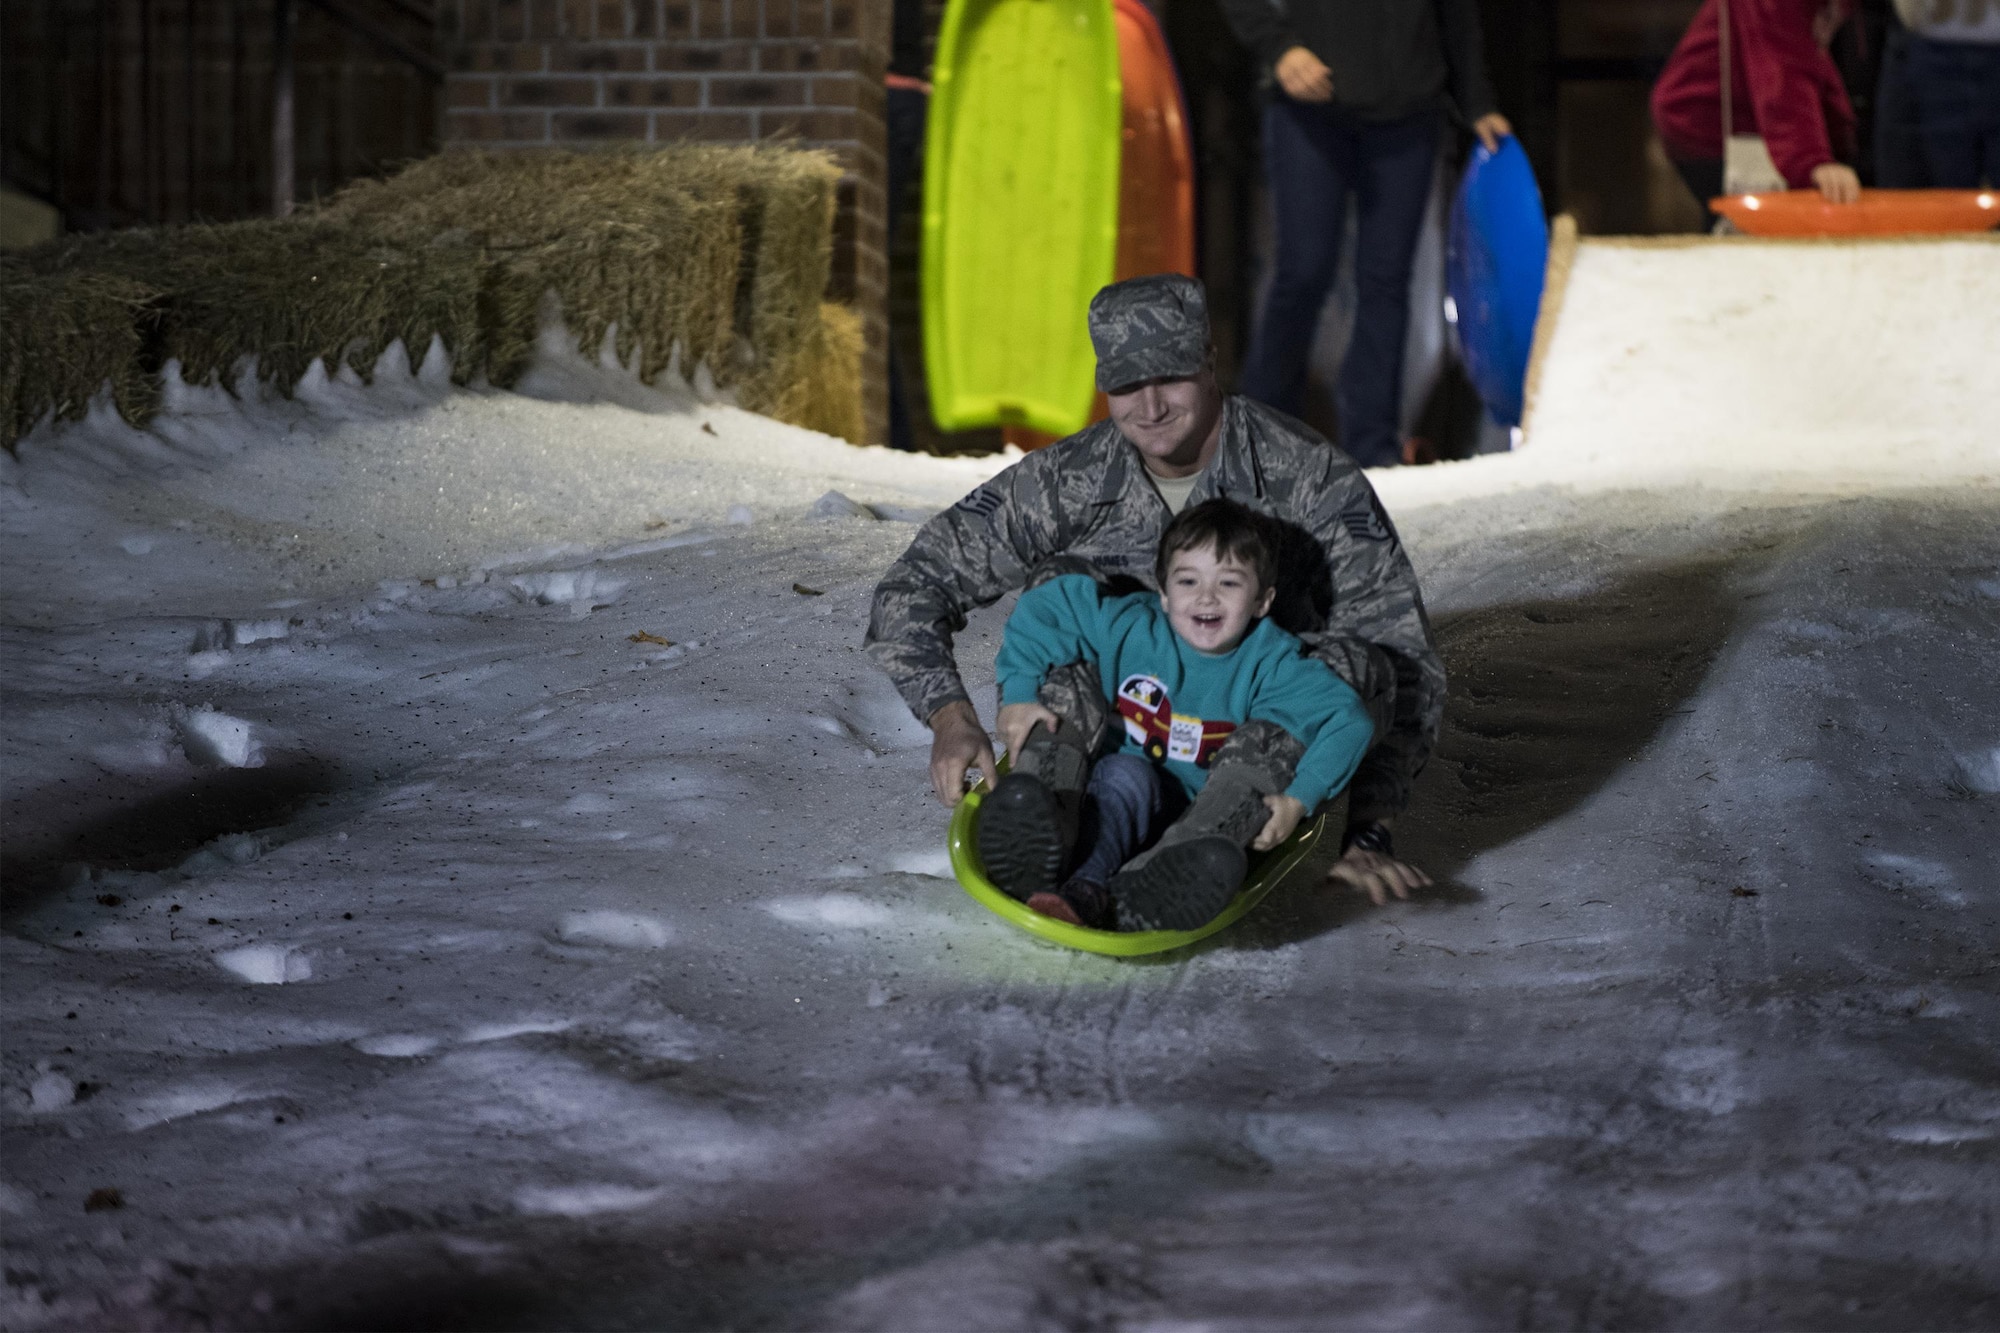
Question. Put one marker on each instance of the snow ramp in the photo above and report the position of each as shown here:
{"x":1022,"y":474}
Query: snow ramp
{"x":1848,"y":365}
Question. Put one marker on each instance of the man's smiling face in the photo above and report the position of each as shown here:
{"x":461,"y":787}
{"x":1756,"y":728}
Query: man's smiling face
{"x":1171,"y":422}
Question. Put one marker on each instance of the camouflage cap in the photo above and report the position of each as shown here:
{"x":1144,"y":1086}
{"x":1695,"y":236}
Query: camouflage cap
{"x":1148,"y":328}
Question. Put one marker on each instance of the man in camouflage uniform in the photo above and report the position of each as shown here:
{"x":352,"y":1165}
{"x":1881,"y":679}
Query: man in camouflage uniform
{"x":1105,"y":494}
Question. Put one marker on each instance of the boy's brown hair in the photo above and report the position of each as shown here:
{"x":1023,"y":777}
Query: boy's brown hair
{"x":1236,"y":532}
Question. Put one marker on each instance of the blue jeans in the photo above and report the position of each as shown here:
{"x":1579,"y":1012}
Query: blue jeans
{"x":1899,"y":150}
{"x":1957,"y":93}
{"x":907,"y":109}
{"x":1316,"y":155}
{"x":1127,"y":804}
{"x":1704,"y":182}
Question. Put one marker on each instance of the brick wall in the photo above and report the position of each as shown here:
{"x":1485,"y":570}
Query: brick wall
{"x":539,"y":73}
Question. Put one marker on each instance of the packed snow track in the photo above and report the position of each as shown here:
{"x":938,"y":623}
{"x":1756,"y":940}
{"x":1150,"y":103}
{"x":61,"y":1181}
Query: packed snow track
{"x":461,"y":872}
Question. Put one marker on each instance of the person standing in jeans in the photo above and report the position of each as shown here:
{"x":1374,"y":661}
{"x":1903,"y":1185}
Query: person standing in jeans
{"x":1899,"y":153}
{"x":1954,"y":76}
{"x":1361,"y":91}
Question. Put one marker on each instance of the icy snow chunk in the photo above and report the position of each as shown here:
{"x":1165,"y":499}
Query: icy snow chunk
{"x":203,"y":665}
{"x":1701,"y":1078}
{"x":15,"y":1202}
{"x":222,"y":635}
{"x":997,"y":1284}
{"x":1980,"y":770}
{"x":658,"y":544}
{"x":903,"y":513}
{"x":578,"y":589}
{"x":582,"y":1200}
{"x":231,"y":849}
{"x":219,"y":740}
{"x":243,"y":633}
{"x":485,"y":1253}
{"x":589,"y":803}
{"x":619,"y":930}
{"x":1937,"y":1131}
{"x":933,"y":861}
{"x":1921,"y":1002}
{"x":186,"y":1100}
{"x":672,"y":1039}
{"x":138,"y":544}
{"x":520,"y":1027}
{"x":396,"y":1045}
{"x":51,"y":1091}
{"x":266,"y":964}
{"x":740,"y":514}
{"x":238,"y":848}
{"x":152,"y":749}
{"x":1918,"y":870}
{"x":835,"y":505}
{"x":876,"y":713}
{"x":533,"y":556}
{"x":842,"y":911}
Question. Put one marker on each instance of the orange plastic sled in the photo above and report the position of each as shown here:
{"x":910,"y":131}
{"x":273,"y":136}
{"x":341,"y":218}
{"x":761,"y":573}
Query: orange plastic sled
{"x":1155,"y":170}
{"x":1876,"y":213}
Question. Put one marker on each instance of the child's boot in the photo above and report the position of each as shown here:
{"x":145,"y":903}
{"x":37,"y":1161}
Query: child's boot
{"x":1027,"y":824}
{"x":1024,"y":835}
{"x":1199,"y":863}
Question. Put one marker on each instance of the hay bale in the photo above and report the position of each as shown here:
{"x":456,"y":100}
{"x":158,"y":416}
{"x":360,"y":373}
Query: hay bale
{"x":293,"y":295}
{"x":287,"y":293}
{"x":721,"y":252}
{"x":616,"y":236}
{"x":787,"y":202}
{"x":824,"y":392}
{"x":67,"y":336}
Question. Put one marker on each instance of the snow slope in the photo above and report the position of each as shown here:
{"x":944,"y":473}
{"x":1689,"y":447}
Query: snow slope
{"x":1775,"y":367}
{"x":504,"y":896}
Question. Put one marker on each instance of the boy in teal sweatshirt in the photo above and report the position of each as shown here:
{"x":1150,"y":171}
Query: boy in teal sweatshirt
{"x":1184,"y":668}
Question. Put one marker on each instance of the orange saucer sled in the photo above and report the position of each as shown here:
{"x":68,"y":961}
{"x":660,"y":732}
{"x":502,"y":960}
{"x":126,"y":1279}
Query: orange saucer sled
{"x":1876,"y":213}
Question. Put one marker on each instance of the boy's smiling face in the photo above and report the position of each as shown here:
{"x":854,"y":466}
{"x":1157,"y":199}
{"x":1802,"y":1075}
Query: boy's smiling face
{"x":1210,"y":603}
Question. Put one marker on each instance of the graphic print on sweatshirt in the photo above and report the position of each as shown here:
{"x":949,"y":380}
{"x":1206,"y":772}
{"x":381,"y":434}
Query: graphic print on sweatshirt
{"x":1153,"y":726}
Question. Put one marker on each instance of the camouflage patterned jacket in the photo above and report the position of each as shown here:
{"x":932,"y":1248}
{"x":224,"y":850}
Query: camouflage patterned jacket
{"x":1346,"y":589}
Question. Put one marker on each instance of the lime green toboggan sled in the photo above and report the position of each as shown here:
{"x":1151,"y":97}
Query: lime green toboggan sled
{"x":1020,"y":209}
{"x":1267,"y":870}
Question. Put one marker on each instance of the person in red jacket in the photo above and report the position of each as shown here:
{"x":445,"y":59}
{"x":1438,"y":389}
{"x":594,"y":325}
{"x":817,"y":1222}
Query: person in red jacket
{"x":1784,"y":86}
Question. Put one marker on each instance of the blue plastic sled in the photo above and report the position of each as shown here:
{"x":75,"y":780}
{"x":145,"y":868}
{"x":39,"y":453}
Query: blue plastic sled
{"x":1498,"y":255}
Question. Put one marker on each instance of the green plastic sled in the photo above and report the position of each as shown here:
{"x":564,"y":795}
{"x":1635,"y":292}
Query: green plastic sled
{"x":1020,"y":209}
{"x":1267,"y":870}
